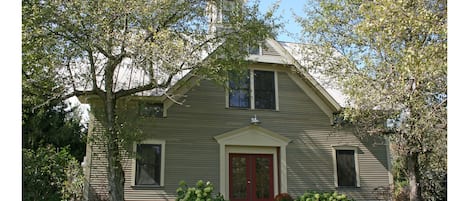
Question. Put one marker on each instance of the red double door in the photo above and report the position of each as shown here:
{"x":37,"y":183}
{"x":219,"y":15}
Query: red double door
{"x":251,"y":177}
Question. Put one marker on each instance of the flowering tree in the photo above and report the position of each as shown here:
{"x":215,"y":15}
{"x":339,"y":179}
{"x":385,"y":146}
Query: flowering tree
{"x":114,"y":49}
{"x":390,"y":58}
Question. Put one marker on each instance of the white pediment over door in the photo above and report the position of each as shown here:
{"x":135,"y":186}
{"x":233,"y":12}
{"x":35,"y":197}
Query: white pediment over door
{"x":252,"y":136}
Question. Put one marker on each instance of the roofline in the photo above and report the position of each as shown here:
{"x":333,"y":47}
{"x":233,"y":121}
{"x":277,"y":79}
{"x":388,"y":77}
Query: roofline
{"x":315,"y":84}
{"x":180,"y":87}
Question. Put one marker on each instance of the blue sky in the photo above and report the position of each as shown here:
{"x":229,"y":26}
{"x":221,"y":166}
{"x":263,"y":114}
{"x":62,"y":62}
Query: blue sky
{"x":285,"y":10}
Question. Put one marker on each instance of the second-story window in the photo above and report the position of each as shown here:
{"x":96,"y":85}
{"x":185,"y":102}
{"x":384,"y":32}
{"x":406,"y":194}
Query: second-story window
{"x":264,"y":89}
{"x":240,"y":90}
{"x":253,"y":89}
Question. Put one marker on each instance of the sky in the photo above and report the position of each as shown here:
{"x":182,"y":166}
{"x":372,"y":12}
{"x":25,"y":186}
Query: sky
{"x":285,"y":12}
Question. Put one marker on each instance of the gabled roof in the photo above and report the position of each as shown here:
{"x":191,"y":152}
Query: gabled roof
{"x":287,"y":50}
{"x":283,"y":53}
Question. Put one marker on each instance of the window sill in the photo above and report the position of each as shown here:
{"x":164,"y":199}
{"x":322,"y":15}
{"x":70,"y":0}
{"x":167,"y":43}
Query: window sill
{"x":249,"y":109}
{"x":347,"y":187}
{"x":147,"y":187}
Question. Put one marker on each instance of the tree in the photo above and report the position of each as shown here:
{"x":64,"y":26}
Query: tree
{"x":115,"y":49}
{"x":50,"y":174}
{"x":389,"y":58}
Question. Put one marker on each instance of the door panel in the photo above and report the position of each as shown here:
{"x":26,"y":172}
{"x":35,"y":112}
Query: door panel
{"x":239,"y":175}
{"x":251,"y":177}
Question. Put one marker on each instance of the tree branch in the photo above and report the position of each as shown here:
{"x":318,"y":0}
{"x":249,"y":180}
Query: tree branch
{"x":149,"y":86}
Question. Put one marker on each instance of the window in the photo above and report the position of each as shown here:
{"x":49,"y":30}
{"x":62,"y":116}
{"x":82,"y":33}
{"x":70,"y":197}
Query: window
{"x":256,"y":50}
{"x":264,"y":89}
{"x":346,"y":167}
{"x":240,"y":90}
{"x":260,"y":93}
{"x":149,"y":163}
{"x":151,"y":109}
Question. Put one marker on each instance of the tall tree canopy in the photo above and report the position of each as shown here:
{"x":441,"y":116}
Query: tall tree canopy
{"x":117,"y":48}
{"x":390,"y":58}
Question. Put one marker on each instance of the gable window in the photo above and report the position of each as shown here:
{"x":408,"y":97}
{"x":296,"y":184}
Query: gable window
{"x":240,"y":90}
{"x":346,"y":167}
{"x":151,"y":109}
{"x":149,"y":163}
{"x":264,"y":89}
{"x":253,"y":89}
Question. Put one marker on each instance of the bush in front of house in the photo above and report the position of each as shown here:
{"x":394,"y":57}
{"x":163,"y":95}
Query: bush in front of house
{"x":51,"y":174}
{"x":201,"y":192}
{"x":283,"y":197}
{"x":324,"y":196}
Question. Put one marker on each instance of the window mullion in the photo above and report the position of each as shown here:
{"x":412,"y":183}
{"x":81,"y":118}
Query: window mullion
{"x":251,"y":80}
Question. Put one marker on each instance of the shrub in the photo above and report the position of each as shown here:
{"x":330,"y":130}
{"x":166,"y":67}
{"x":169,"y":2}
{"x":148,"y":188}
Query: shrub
{"x":325,"y":196}
{"x":283,"y":197}
{"x":201,"y":192}
{"x":49,"y":174}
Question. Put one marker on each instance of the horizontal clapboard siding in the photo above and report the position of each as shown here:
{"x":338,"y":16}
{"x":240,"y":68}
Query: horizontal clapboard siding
{"x":192,"y":154}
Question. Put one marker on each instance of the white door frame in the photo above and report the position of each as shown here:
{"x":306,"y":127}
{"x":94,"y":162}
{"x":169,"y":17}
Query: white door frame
{"x":256,"y":140}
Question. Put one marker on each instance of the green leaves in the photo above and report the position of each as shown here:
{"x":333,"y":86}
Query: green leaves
{"x":202,"y":192}
{"x":324,"y":196}
{"x":392,"y":59}
{"x":51,"y":175}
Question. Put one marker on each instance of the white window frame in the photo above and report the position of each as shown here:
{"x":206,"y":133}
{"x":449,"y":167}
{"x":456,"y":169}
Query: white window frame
{"x":134,"y":160}
{"x":251,"y":90}
{"x":334,"y":159}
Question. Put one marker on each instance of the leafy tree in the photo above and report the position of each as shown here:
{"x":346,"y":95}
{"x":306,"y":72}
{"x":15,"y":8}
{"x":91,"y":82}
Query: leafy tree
{"x":46,"y":120}
{"x":390,"y":58}
{"x":51,"y":175}
{"x":115,"y":49}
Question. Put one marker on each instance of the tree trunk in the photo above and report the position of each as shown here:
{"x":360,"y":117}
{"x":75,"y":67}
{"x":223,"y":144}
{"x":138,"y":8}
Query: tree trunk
{"x":114,"y":167}
{"x":413,"y":175}
{"x":115,"y":172}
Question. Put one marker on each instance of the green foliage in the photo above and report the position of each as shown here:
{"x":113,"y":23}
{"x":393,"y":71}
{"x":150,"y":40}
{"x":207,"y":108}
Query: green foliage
{"x":53,"y":124}
{"x":325,"y":196}
{"x":201,"y":192}
{"x":283,"y":197}
{"x":390,"y":59}
{"x":115,"y":50}
{"x":51,"y":175}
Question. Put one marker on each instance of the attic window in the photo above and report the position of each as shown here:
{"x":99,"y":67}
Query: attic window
{"x":256,"y":50}
{"x":151,"y":110}
{"x":253,"y":89}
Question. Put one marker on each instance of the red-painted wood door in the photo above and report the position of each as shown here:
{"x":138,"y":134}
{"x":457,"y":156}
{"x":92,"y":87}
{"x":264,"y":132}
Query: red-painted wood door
{"x":251,"y":177}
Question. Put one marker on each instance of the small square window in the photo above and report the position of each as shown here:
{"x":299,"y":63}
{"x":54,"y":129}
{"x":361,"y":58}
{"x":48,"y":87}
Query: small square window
{"x":152,"y":109}
{"x":254,"y":50}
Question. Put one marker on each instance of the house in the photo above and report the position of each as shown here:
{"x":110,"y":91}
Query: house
{"x":266,"y":133}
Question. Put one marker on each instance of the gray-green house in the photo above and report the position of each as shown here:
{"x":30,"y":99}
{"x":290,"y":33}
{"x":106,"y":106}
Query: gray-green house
{"x":270,"y":133}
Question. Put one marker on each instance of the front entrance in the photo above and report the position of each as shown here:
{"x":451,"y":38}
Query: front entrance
{"x":251,"y":177}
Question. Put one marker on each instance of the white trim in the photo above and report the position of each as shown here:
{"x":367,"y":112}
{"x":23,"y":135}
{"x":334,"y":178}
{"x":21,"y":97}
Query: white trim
{"x":252,"y":139}
{"x":134,"y":160}
{"x":227,"y":94}
{"x":334,"y":162}
{"x":312,"y":95}
{"x":251,"y":89}
{"x":291,"y":60}
{"x":388,"y":155}
{"x":276,"y":91}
